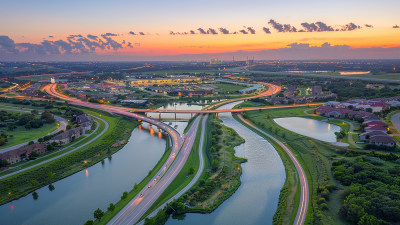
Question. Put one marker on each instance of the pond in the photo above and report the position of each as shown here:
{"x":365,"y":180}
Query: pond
{"x":316,"y":129}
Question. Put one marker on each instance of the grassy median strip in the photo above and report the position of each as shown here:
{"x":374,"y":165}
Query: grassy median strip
{"x":184,"y":176}
{"x":219,"y":180}
{"x":23,"y":183}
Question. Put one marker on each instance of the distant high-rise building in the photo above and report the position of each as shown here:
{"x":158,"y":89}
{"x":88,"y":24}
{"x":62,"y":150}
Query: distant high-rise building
{"x":53,"y":80}
{"x":215,"y":61}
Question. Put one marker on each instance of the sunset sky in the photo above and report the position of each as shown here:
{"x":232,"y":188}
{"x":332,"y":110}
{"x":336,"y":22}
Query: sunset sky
{"x":42,"y":28}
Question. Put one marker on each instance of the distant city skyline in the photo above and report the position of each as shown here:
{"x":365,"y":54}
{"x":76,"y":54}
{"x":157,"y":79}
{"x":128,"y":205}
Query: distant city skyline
{"x":179,"y":30}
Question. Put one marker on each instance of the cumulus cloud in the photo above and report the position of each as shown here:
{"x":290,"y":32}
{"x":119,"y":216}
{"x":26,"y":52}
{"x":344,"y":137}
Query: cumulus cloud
{"x":74,"y":44}
{"x":282,"y":27}
{"x":7,"y":45}
{"x":201,"y":31}
{"x":109,"y":35}
{"x":211,"y":31}
{"x":50,"y":36}
{"x":192,"y":32}
{"x":141,"y":33}
{"x":251,"y":30}
{"x":223,"y":30}
{"x":369,"y":26}
{"x":243,"y":31}
{"x":132,"y":33}
{"x":266,"y":30}
{"x":350,"y":27}
{"x":92,"y":37}
{"x":316,"y":27}
{"x":396,"y":26}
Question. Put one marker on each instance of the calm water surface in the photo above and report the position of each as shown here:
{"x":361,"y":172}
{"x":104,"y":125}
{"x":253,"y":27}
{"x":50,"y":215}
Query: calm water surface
{"x":77,"y":196}
{"x":311,"y":128}
{"x":256,"y":200}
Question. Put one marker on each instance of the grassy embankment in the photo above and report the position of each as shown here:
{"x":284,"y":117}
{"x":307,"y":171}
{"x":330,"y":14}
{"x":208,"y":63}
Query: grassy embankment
{"x":219,"y":180}
{"x":229,"y":88}
{"x":137,"y":188}
{"x":289,"y":196}
{"x":21,"y":184}
{"x":314,"y":157}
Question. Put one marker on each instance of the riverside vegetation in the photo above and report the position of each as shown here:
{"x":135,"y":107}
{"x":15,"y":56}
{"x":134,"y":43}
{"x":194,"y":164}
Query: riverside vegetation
{"x":219,"y":180}
{"x":21,"y":184}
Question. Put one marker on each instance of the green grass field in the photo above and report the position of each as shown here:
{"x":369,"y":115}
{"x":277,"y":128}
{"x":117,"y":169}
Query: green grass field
{"x":387,"y":76}
{"x":313,"y":155}
{"x":229,"y":88}
{"x":21,"y":135}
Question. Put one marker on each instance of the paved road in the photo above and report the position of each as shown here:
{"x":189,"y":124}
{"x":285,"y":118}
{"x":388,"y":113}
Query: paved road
{"x":304,"y":197}
{"x":180,"y":151}
{"x":135,"y":209}
{"x":195,"y":178}
{"x":65,"y":153}
{"x":62,"y":126}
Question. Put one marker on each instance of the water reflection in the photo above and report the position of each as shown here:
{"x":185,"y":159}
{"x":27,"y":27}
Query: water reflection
{"x":311,"y":128}
{"x":263,"y":175}
{"x":77,"y":196}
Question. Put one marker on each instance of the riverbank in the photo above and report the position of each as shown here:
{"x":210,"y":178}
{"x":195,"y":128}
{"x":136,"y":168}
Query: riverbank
{"x":118,"y":206}
{"x":289,"y":196}
{"x":220,"y":179}
{"x":22,"y":184}
{"x":314,"y":156}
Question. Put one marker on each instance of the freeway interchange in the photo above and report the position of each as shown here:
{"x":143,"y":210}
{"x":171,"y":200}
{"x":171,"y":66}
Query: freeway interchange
{"x":181,"y":148}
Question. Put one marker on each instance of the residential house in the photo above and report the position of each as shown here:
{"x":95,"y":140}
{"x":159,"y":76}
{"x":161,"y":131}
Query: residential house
{"x":19,"y":154}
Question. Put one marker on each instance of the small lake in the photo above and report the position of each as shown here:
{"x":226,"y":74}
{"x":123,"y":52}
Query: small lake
{"x":311,"y":128}
{"x":75,"y":198}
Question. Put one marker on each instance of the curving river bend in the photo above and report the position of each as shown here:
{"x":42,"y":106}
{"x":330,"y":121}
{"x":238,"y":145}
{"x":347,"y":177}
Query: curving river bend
{"x":256,"y":200}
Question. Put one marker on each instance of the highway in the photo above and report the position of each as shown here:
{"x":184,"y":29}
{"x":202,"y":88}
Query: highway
{"x":140,"y":204}
{"x":179,"y":154}
{"x":304,"y":197}
{"x":196,"y":176}
{"x":132,"y":213}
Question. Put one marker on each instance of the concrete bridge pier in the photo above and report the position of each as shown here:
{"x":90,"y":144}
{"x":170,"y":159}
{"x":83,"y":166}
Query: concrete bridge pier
{"x":175,"y":116}
{"x":217,"y":114}
{"x":159,"y":116}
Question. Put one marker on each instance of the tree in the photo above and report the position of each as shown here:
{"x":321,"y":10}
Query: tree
{"x":368,"y":220}
{"x":4,"y":163}
{"x":191,"y":171}
{"x":124,"y":195}
{"x":89,"y":222}
{"x":98,"y":213}
{"x":111,"y":207}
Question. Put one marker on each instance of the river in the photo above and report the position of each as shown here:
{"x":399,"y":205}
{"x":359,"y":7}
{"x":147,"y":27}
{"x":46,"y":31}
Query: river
{"x":75,"y":198}
{"x":256,"y":200}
